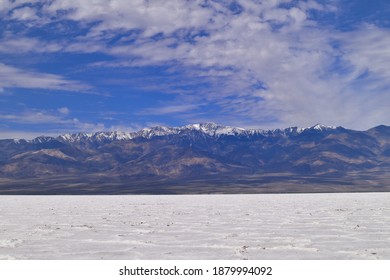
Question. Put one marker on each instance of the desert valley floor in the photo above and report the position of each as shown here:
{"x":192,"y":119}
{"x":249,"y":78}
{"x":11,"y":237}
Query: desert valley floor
{"x":265,"y":226}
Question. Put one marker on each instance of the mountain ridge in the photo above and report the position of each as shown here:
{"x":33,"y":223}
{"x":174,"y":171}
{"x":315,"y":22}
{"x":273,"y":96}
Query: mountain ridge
{"x":212,"y":129}
{"x":205,"y":155}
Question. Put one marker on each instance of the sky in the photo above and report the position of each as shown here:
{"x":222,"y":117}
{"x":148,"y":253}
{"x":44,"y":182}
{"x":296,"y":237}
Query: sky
{"x":70,"y":66}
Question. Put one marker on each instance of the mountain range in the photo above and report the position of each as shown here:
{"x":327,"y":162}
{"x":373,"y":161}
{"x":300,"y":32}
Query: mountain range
{"x":199,"y":158}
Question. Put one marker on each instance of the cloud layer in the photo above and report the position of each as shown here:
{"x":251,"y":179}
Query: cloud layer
{"x":250,"y":63}
{"x":11,"y":77}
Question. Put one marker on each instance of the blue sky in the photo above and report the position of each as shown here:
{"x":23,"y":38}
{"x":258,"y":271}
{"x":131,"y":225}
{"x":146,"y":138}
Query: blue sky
{"x":85,"y":66}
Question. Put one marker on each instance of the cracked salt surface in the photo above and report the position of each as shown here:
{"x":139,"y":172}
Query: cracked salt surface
{"x":268,"y":226}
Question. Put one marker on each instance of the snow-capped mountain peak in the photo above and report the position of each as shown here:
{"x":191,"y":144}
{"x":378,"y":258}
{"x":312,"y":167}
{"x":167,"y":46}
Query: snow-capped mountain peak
{"x":77,"y":137}
{"x":95,"y":137}
{"x":210,"y":129}
{"x":42,"y":139}
{"x":214,"y":129}
{"x":321,"y":127}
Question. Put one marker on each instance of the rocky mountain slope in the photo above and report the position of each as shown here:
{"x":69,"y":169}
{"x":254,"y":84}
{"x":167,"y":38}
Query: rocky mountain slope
{"x":206,"y":156}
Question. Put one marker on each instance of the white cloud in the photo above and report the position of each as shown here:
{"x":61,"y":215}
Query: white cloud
{"x":24,"y":13}
{"x":7,"y":6}
{"x":56,"y":122}
{"x":11,"y":44}
{"x":11,"y":77}
{"x":152,"y":16}
{"x":64,"y":110}
{"x":367,"y":49}
{"x":280,"y":47}
{"x":172,"y":109}
{"x":34,"y":117}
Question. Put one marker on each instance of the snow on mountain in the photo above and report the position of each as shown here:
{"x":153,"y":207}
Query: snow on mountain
{"x":213,"y":129}
{"x":96,"y":137}
{"x":115,"y":135}
{"x":74,"y":137}
{"x":321,"y":127}
{"x":18,"y":141}
{"x":41,"y":139}
{"x":210,"y":129}
{"x":156,"y":131}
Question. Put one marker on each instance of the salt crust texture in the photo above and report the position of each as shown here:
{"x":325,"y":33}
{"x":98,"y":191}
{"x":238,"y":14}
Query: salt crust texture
{"x":267,"y":226}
